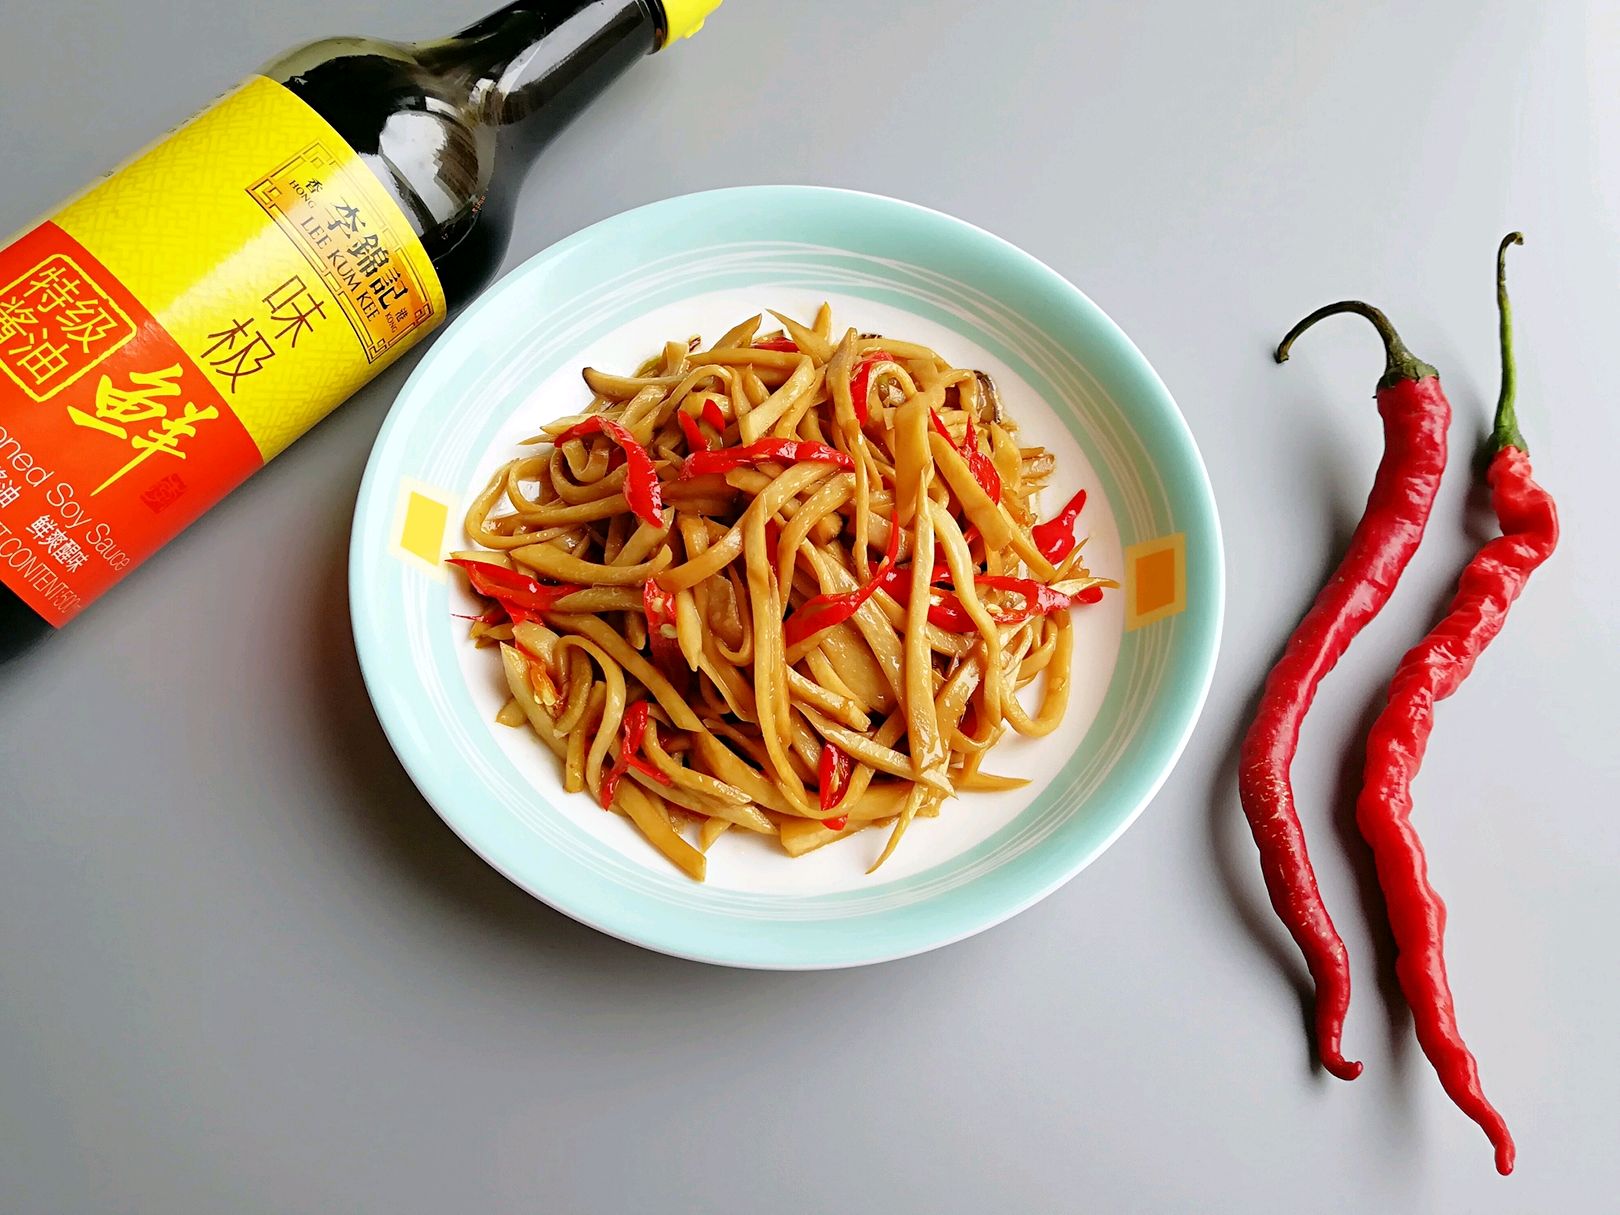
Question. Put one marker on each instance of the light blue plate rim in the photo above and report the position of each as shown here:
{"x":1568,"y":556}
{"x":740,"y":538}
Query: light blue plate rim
{"x":677,"y":923}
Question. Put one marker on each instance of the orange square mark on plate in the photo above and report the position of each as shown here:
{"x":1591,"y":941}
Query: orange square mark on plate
{"x":1156,"y":580}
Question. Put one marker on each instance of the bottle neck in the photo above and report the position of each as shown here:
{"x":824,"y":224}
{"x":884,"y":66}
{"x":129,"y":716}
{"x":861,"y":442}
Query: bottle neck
{"x":530,"y":67}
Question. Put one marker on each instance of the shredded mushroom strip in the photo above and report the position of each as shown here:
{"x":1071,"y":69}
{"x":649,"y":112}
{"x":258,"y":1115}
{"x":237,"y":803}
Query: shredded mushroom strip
{"x":789,"y":585}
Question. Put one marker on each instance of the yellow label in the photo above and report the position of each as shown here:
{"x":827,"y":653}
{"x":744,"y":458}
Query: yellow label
{"x":270,"y":254}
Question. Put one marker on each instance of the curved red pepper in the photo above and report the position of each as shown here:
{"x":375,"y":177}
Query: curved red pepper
{"x":637,"y":719}
{"x":785,"y":344}
{"x":1039,"y":599}
{"x":826,"y":610}
{"x":979,"y":464}
{"x":523,"y":597}
{"x":1415,"y":413}
{"x":659,"y":605}
{"x":1055,"y":538}
{"x":763,"y":451}
{"x":773,"y":541}
{"x":945,"y":610}
{"x":1432,"y":670}
{"x":641,"y":488}
{"x":832,"y":774}
{"x":860,"y":382}
{"x":694,"y":436}
{"x":713,"y":415}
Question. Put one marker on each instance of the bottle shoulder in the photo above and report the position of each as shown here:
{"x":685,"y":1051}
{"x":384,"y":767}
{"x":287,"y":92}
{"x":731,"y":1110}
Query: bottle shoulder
{"x":421,"y":134}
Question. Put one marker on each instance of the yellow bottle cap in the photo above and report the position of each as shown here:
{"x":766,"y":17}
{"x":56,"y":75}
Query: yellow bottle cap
{"x":685,"y":17}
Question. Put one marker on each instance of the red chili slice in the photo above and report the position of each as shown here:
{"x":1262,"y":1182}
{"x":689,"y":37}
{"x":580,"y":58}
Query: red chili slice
{"x":979,"y":464}
{"x":659,"y":605}
{"x":694,"y":436}
{"x":945,"y":610}
{"x":860,"y":382}
{"x":517,"y":593}
{"x":1055,"y":538}
{"x":637,"y":719}
{"x":832,"y":774}
{"x":641,"y":488}
{"x":762,"y":451}
{"x":826,"y":610}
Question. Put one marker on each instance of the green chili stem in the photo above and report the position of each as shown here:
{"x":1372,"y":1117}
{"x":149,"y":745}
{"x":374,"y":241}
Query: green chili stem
{"x":1399,"y":362}
{"x":1507,"y":433}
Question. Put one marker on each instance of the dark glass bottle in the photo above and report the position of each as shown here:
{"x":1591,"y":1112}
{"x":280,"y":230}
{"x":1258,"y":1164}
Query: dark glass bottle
{"x":449,"y":128}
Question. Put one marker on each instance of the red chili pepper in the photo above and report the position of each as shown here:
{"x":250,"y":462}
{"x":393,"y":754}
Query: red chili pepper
{"x":659,"y":605}
{"x":979,"y":464}
{"x":1432,"y":670}
{"x":518,"y":594}
{"x":773,"y":540}
{"x":785,"y":344}
{"x":1055,"y":538}
{"x":646,"y":766}
{"x":969,"y":724}
{"x":945,"y":610}
{"x":1039,"y":599}
{"x":641,"y":488}
{"x":860,"y":382}
{"x":713,"y":415}
{"x":495,"y":615}
{"x":637,"y":719}
{"x":762,"y":451}
{"x":832,"y":775}
{"x":694,"y":436}
{"x":1415,"y":413}
{"x":826,"y":610}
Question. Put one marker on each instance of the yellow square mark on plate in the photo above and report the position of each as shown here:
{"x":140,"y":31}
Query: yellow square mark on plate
{"x":421,"y":519}
{"x":1156,"y":580}
{"x":423,"y":532}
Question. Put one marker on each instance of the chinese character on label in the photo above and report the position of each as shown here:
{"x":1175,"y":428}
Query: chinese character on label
{"x":232,"y":362}
{"x":294,"y":308}
{"x":144,"y":399}
{"x":10,"y":491}
{"x":119,"y":408}
{"x":389,"y":288}
{"x":16,"y":319}
{"x":346,"y":219}
{"x":86,"y":322}
{"x":56,"y":324}
{"x":54,"y":287}
{"x":69,"y":555}
{"x":42,"y":527}
{"x":41,"y":360}
{"x":367,"y":276}
{"x":165,"y":439}
{"x":369,"y":254}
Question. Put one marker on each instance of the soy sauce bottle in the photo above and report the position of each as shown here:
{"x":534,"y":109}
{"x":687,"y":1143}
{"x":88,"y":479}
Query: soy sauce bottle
{"x":171,"y":329}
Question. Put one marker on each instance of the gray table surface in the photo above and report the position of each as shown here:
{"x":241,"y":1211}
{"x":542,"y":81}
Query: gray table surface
{"x":244,"y":968}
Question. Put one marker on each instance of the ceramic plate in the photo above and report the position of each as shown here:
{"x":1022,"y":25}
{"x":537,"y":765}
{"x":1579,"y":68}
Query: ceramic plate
{"x":610,"y":296}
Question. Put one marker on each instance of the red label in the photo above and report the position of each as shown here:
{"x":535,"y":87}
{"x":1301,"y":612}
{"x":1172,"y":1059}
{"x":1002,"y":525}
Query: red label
{"x":111,"y":439}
